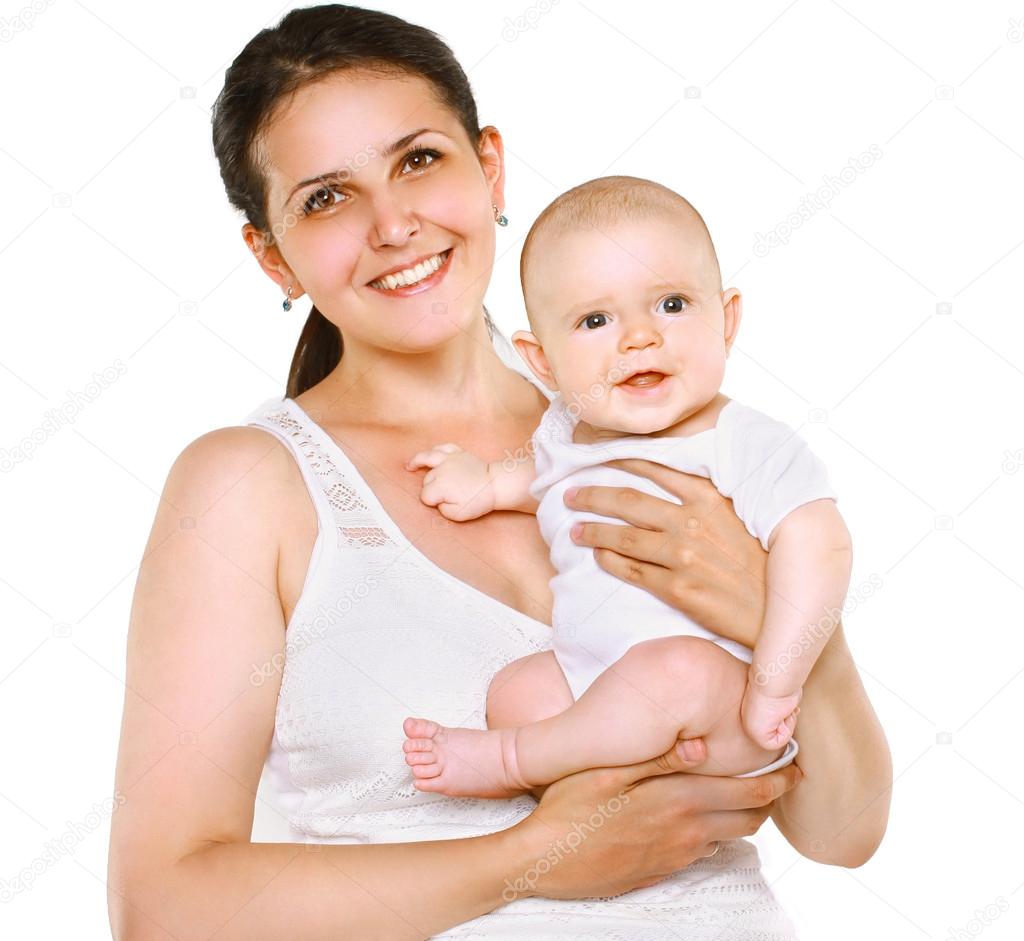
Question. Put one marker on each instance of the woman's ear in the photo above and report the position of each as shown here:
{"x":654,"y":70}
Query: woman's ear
{"x":530,"y":349}
{"x":491,"y":151}
{"x":270,"y":260}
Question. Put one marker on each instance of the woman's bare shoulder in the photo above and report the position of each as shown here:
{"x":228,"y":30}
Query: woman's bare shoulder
{"x":250,"y":464}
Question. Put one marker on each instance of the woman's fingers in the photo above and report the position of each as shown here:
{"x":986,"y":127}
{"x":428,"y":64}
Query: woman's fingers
{"x":643,"y":544}
{"x":692,"y":489}
{"x":659,"y":580}
{"x":697,"y":793}
{"x":684,"y":755}
{"x":625,"y":503}
{"x":733,"y":824}
{"x":745,"y":793}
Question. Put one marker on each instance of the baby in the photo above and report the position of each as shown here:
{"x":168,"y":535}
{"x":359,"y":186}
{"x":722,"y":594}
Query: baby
{"x":631,"y":330}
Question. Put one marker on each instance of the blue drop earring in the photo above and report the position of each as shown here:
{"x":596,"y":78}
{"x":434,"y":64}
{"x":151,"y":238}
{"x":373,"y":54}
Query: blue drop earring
{"x":499,"y":216}
{"x":287,"y":303}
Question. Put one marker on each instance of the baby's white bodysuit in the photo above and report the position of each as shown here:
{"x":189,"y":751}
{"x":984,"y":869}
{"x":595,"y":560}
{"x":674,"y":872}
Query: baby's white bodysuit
{"x":760,"y":463}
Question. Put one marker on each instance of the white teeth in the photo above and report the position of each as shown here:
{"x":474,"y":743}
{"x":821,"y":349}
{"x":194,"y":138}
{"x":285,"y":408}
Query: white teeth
{"x":410,"y":275}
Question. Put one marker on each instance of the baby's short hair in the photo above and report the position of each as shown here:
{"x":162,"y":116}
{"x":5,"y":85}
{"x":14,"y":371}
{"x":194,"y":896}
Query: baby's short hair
{"x":605,"y":201}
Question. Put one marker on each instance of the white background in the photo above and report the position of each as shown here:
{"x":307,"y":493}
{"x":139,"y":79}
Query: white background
{"x":887,"y":329}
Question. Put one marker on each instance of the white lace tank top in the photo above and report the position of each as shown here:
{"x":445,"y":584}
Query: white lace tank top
{"x":372,"y":613}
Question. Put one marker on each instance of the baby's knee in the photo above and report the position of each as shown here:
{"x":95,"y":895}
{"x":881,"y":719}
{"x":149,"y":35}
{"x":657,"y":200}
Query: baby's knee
{"x":527,"y":690}
{"x":684,"y":659}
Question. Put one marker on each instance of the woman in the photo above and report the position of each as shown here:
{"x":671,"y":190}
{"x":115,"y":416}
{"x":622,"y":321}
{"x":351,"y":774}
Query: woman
{"x":349,"y":138}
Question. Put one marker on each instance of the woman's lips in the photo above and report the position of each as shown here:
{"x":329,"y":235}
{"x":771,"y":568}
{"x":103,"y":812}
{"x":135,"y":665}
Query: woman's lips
{"x":420,"y":286}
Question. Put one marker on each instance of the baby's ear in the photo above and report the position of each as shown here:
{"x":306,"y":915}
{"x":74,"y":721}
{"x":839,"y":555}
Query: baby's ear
{"x":530,"y":349}
{"x":732,"y":306}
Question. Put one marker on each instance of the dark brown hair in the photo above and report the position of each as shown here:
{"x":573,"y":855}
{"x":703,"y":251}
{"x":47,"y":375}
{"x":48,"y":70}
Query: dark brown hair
{"x":304,"y":47}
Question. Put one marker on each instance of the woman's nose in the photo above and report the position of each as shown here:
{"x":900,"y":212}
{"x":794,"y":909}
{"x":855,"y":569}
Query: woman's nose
{"x":392,"y":222}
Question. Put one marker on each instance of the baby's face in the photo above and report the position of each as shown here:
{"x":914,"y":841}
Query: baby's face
{"x":638,"y":296}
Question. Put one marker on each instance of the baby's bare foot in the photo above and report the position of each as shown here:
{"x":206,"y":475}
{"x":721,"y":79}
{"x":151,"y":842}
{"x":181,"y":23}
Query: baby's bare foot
{"x":462,"y":762}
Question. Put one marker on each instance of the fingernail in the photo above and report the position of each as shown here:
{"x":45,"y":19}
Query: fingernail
{"x":570,"y":494}
{"x":577,"y":528}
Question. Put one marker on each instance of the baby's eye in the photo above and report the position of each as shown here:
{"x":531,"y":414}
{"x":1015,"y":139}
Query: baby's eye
{"x":588,"y":321}
{"x":674,"y":304}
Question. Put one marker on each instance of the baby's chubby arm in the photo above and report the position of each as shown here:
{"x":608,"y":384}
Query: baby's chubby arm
{"x":808,"y":574}
{"x":464,"y":487}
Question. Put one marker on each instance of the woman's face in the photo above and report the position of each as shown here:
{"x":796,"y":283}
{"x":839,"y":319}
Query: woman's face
{"x":366,"y":212}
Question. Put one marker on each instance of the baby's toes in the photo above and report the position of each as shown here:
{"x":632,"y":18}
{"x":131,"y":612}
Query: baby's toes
{"x":426,"y":771}
{"x":418,"y":744}
{"x":421,"y":758}
{"x":420,"y":728}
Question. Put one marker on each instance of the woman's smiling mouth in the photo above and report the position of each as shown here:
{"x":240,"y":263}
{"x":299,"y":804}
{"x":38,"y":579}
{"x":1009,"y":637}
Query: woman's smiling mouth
{"x":413,"y":280}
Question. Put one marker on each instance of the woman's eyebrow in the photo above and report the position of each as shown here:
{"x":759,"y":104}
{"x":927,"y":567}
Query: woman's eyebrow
{"x":387,"y":152}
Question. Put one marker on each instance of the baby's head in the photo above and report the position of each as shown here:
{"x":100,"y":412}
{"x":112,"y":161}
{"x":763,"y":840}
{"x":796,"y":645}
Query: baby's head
{"x":620,"y":276}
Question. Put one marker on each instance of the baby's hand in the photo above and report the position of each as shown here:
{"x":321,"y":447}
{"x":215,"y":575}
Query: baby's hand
{"x":769,"y":720}
{"x":459,"y":484}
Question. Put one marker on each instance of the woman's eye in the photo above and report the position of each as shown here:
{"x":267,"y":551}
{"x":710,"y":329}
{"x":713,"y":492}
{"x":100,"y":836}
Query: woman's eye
{"x":674,"y":304}
{"x":420,"y":155}
{"x":319,"y":200}
{"x":313,"y":205}
{"x":589,"y":323}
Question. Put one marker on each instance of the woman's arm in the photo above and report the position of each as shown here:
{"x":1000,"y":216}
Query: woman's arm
{"x":196,"y":731}
{"x":842,"y":813}
{"x":699,"y":558}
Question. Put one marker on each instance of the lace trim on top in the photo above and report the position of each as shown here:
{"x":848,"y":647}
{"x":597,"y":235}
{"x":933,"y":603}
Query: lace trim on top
{"x":359,"y":530}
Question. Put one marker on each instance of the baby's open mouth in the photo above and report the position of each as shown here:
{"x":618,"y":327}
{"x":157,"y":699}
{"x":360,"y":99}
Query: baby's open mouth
{"x":644,"y":379}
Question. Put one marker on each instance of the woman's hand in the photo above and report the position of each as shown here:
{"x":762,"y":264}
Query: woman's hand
{"x":698,"y":557}
{"x":605,"y":831}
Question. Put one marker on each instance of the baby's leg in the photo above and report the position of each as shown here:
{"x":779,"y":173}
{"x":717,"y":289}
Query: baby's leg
{"x":471,"y":761}
{"x":527,"y":690}
{"x":659,"y":691}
